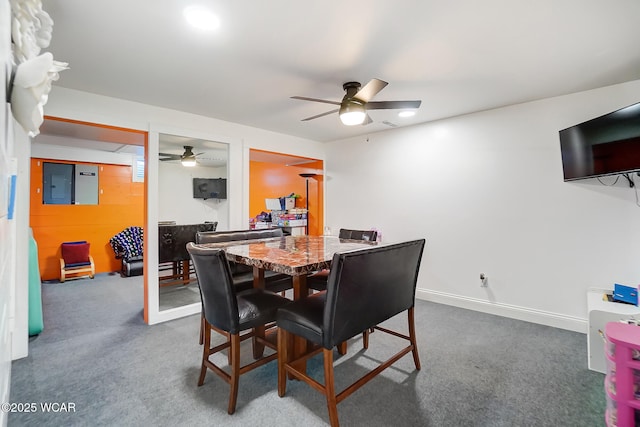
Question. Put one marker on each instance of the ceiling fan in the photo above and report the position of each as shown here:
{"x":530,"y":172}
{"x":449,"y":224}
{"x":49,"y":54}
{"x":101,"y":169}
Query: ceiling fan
{"x":188,"y":158}
{"x":357,"y":101}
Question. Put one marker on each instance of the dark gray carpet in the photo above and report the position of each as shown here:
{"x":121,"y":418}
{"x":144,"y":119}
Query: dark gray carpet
{"x":178,"y":295}
{"x":477,"y":370}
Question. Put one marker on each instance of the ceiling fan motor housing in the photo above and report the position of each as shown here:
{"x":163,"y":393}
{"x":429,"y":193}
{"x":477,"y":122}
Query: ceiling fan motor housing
{"x":349,"y":103}
{"x":188,"y":152}
{"x":351,"y":88}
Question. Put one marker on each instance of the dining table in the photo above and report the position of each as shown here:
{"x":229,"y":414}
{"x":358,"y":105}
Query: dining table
{"x":296,"y":256}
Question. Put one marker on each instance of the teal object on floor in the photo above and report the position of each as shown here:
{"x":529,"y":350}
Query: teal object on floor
{"x":36,"y":324}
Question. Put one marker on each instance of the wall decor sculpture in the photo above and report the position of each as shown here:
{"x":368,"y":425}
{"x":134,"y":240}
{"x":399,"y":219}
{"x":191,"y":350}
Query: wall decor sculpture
{"x":33,"y":73}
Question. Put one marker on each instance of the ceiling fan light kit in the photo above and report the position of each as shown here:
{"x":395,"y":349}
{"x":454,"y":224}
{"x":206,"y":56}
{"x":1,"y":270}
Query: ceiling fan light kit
{"x":352,"y":113}
{"x":188,"y":162}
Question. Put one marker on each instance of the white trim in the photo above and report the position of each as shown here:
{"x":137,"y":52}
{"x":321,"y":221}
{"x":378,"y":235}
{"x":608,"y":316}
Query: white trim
{"x":159,"y":316}
{"x":547,"y":318}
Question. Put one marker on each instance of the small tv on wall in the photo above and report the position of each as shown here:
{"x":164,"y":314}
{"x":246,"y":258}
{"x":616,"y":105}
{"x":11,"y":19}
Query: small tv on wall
{"x":209,"y":188}
{"x":605,"y":145}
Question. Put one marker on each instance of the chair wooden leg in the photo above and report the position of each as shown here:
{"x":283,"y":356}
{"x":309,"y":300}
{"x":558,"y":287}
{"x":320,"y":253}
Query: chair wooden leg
{"x":235,"y":372}
{"x":206,"y":332}
{"x":365,"y":337}
{"x":412,"y":338}
{"x":329,"y":388}
{"x":92,"y":274}
{"x":202,"y":328}
{"x":283,"y":357}
{"x":258,"y":347}
{"x":62,"y":271}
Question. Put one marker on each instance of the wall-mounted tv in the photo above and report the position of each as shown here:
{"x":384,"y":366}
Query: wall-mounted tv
{"x":606,"y":145}
{"x":209,"y":188}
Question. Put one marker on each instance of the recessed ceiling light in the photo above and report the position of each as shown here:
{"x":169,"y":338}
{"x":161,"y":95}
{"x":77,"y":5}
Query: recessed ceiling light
{"x":407,"y":113}
{"x":201,"y":17}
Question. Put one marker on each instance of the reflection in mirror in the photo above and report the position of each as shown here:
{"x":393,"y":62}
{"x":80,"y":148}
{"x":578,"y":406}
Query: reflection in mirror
{"x":192,"y":185}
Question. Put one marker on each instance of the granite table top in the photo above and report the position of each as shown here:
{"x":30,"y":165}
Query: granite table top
{"x":292,"y":255}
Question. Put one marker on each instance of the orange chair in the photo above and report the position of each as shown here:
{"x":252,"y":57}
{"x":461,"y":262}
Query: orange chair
{"x":76,"y":260}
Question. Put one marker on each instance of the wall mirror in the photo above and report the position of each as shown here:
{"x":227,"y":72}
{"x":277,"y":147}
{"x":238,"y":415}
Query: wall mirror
{"x":192,"y":196}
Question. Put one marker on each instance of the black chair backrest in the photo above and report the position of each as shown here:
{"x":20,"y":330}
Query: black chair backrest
{"x":367,"y":287}
{"x":214,"y":225}
{"x":216,"y":287}
{"x":228,"y":236}
{"x":173,"y":240}
{"x":370,"y":235}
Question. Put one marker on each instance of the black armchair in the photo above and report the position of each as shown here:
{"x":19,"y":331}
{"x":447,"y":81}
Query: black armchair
{"x":128,"y":246}
{"x":230,"y":313}
{"x":364,"y":289}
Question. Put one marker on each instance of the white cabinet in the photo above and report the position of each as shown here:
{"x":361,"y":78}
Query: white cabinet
{"x":601,"y":312}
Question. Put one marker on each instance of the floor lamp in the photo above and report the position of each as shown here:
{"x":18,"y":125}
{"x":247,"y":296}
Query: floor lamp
{"x":307,"y":176}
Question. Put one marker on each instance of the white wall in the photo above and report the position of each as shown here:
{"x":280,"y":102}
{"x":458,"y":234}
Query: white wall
{"x":176,"y":202}
{"x":486,"y":190}
{"x":7,"y":270}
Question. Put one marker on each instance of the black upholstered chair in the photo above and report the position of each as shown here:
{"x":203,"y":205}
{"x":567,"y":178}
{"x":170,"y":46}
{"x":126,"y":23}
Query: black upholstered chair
{"x":318,"y":280}
{"x":241,"y":274}
{"x":358,"y":234}
{"x":230,"y":313}
{"x":365,"y":288}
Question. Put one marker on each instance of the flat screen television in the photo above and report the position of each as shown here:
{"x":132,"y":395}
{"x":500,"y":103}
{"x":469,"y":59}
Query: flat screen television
{"x":209,"y":188}
{"x":606,"y":145}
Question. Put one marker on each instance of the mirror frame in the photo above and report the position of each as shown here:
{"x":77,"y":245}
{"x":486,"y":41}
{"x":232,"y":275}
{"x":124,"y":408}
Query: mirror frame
{"x":235,"y":197}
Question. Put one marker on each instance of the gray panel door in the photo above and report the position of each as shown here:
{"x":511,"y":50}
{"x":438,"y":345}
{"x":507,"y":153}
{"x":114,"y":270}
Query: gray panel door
{"x":86,"y":185}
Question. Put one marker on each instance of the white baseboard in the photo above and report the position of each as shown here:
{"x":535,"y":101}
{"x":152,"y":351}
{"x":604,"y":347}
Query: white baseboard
{"x":506,"y":310}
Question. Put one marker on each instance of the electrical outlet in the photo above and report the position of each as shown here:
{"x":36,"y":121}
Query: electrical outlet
{"x":483,"y":280}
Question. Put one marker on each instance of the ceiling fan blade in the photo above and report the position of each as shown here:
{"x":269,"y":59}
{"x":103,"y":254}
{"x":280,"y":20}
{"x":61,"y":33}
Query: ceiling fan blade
{"x":370,"y":90}
{"x":388,"y":105}
{"x":304,"y":98}
{"x":321,"y":115}
{"x":169,"y":156}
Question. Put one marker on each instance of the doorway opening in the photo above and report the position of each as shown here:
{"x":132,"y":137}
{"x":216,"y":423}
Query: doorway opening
{"x":275,"y":175}
{"x":118,"y":157}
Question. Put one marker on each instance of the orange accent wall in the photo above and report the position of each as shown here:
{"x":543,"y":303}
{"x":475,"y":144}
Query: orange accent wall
{"x":121,"y":204}
{"x":270,"y":181}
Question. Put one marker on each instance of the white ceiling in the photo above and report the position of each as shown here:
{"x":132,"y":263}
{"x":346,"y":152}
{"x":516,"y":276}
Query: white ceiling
{"x":456,"y":56}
